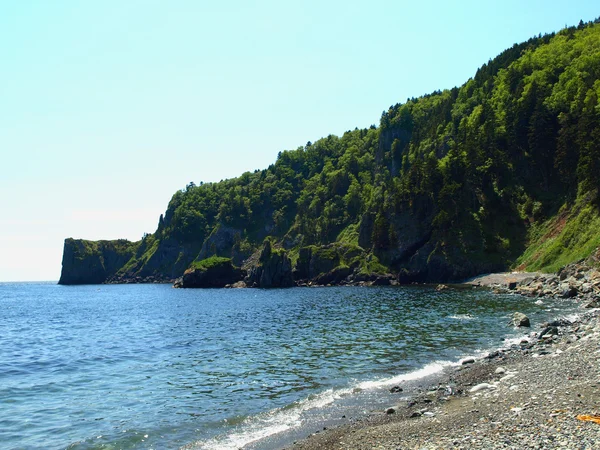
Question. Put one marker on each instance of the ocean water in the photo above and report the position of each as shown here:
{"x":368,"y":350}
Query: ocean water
{"x":148,"y":366}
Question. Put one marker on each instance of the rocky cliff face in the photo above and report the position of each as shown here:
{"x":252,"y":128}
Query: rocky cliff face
{"x":93,"y":262}
{"x":274,"y":269}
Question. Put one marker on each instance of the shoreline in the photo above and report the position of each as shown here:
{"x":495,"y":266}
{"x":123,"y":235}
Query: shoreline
{"x":527,"y":396}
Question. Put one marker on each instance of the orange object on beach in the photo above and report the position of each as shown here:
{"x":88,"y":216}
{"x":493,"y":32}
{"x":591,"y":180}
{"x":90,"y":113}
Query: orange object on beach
{"x":587,"y":418}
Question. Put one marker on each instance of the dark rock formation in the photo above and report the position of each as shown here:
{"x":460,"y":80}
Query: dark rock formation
{"x":93,"y":262}
{"x":327,"y":263}
{"x":210,"y":273}
{"x":274,"y":269}
{"x":334,"y":276}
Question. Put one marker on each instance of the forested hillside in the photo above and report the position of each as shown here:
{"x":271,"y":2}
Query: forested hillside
{"x":503,"y":171}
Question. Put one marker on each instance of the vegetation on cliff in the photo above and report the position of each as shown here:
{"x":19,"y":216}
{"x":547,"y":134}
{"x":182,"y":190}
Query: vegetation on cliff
{"x":503,"y":170}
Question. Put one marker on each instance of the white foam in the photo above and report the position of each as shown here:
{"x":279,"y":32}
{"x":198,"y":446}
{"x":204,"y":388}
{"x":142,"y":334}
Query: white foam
{"x":254,"y":429}
{"x":573,"y":317}
{"x":461,"y":317}
{"x":429,"y":369}
{"x":273,"y":422}
{"x":514,"y":341}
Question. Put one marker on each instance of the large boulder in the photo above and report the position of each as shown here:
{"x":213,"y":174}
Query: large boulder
{"x":213,"y":272}
{"x":274,"y":269}
{"x":520,"y":320}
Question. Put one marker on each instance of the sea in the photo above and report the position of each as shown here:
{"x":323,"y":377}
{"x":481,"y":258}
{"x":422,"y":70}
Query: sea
{"x":147,"y":366}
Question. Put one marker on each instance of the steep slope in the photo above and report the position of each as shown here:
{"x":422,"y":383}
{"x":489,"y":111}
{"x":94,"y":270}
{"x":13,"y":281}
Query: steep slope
{"x":451,"y":184}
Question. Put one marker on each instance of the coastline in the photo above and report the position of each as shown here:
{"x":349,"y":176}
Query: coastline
{"x":527,"y":396}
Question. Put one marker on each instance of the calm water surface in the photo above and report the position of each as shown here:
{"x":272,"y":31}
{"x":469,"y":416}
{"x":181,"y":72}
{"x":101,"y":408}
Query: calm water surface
{"x":148,"y":366}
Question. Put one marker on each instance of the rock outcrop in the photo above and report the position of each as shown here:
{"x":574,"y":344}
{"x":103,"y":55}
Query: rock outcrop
{"x":327,"y":263}
{"x":212,"y":272}
{"x":274,"y":269}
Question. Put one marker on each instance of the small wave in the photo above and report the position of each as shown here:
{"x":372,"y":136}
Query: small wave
{"x":240,"y":439}
{"x":276,"y":421}
{"x":324,"y":398}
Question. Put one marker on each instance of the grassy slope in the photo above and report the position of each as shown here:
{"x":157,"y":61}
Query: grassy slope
{"x":571,"y":235}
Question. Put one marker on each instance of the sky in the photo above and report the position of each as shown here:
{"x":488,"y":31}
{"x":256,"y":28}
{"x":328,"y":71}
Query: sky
{"x":107,"y":108}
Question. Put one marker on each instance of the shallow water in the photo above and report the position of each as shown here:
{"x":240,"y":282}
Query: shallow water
{"x":148,"y":366}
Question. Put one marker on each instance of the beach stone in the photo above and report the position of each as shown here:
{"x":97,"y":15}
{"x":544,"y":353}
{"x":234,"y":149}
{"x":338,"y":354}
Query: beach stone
{"x":592,"y":304}
{"x":482,"y":387}
{"x":548,"y":331}
{"x":569,"y":292}
{"x":395,"y":389}
{"x":510,"y":376}
{"x":468,"y":361}
{"x":500,"y":370}
{"x":390,"y":411}
{"x":520,"y":320}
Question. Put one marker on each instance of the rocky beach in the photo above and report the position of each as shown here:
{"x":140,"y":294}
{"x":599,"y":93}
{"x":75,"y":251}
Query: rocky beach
{"x":540,"y":393}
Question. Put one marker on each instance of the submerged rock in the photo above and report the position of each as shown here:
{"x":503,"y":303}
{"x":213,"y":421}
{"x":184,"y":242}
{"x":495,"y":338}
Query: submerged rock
{"x":549,"y":331}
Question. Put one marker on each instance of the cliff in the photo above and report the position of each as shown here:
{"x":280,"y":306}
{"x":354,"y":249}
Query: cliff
{"x":93,"y":262}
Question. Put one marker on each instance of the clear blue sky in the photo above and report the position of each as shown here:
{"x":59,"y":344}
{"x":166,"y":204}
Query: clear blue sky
{"x":108,"y":107}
